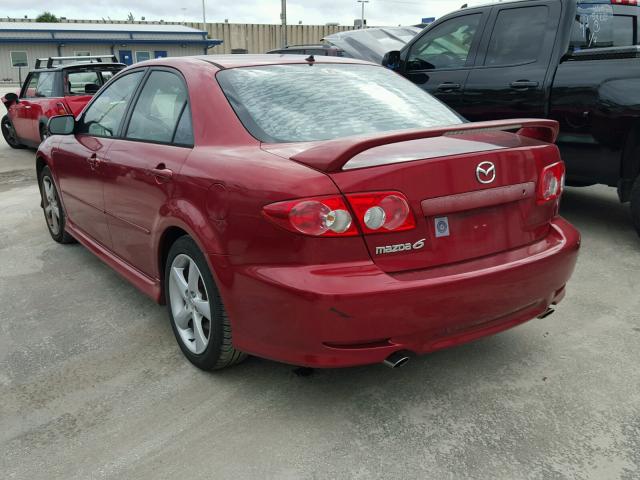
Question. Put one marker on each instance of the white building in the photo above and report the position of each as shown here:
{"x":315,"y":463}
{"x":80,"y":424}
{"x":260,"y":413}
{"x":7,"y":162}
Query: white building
{"x":22,"y":42}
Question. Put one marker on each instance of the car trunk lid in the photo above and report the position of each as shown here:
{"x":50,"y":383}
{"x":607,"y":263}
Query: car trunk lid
{"x":471,"y":188}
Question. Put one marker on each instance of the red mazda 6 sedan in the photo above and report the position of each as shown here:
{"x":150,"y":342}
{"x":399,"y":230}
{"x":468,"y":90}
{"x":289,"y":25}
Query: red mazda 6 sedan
{"x":322,"y":212}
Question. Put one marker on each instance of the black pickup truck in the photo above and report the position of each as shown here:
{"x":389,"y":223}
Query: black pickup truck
{"x":574,"y":62}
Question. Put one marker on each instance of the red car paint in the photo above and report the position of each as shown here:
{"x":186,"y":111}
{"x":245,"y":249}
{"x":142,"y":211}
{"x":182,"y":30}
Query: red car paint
{"x":328,"y":301}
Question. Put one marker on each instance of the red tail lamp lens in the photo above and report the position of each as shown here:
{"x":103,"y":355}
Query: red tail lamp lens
{"x":551,"y":182}
{"x":321,"y":216}
{"x":382,"y":211}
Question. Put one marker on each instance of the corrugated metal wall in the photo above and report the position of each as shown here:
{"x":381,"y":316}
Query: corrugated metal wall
{"x":259,"y":38}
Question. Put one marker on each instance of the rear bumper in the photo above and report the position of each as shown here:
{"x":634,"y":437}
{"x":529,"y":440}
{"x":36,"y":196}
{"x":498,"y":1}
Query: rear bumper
{"x":340,"y":315}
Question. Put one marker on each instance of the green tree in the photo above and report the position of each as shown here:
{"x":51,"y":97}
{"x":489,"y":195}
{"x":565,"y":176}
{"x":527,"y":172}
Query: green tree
{"x":47,"y":17}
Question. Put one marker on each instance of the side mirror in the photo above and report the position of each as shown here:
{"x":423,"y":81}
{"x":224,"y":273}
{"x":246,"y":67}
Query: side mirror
{"x":61,"y":125}
{"x":11,"y":97}
{"x":391,"y":60}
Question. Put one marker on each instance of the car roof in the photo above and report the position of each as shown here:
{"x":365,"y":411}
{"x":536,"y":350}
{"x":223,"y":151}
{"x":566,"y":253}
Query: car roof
{"x":249,"y":60}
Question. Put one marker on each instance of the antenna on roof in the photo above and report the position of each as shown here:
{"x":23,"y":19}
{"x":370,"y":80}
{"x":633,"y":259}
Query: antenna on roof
{"x":310,"y":59}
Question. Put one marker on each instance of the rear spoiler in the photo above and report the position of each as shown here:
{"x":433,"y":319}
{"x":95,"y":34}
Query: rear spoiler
{"x":332,"y":155}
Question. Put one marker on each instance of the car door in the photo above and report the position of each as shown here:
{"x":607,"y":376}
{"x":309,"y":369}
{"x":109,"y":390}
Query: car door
{"x":138,"y":176}
{"x":439,"y":61}
{"x":512,"y":75}
{"x":21,"y":111}
{"x":79,"y":159}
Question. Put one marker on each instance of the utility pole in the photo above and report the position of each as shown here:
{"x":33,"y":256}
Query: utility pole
{"x":204,"y":16}
{"x":362,"y":2}
{"x":283,"y":17}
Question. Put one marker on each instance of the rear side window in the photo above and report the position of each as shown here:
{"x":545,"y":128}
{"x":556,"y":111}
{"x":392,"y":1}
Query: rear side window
{"x":298,"y":102}
{"x":81,"y":83}
{"x":158,"y":109}
{"x":517,"y":36}
{"x":600,"y":25}
{"x":103,"y":116}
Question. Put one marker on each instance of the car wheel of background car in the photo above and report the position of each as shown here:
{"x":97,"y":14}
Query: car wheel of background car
{"x":197,"y":315}
{"x":9,"y":133}
{"x":53,"y":211}
{"x":635,"y":204}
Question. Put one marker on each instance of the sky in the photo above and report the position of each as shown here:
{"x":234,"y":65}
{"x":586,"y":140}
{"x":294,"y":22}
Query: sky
{"x":318,"y":12}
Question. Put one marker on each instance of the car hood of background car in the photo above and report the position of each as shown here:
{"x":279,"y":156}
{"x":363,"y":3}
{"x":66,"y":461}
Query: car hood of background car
{"x":372,"y":43}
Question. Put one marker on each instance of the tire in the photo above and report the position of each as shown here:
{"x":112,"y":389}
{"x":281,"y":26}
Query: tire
{"x":635,"y":204}
{"x":54,"y":214}
{"x":9,"y":133}
{"x":191,"y":295}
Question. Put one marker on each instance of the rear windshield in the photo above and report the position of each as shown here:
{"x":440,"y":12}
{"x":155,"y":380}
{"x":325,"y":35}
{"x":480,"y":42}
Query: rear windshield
{"x":600,"y":24}
{"x":297,"y":103}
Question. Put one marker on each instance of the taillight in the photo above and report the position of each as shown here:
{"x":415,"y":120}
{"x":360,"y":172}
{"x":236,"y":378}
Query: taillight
{"x":329,"y":216}
{"x":317,"y":216}
{"x":62,"y":110}
{"x":625,"y":2}
{"x":382,"y":211}
{"x":551,"y":182}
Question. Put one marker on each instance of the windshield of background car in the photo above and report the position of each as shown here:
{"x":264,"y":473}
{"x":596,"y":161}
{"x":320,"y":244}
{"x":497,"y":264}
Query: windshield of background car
{"x":299,"y":103}
{"x":601,"y":24}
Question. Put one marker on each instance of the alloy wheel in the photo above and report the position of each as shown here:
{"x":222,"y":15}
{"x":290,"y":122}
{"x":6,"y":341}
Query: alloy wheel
{"x":189,"y":303}
{"x":51,"y":205}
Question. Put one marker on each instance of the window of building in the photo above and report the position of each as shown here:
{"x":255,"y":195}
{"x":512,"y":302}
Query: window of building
{"x":141,"y":56}
{"x":19,"y":59}
{"x":82,"y":53}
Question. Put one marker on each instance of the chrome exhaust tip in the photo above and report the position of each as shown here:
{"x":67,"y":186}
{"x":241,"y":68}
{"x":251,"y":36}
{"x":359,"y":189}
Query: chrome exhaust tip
{"x":396,"y":359}
{"x":546,"y":313}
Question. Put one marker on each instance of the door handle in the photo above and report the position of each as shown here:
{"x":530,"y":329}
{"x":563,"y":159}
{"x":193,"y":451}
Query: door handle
{"x":93,"y":161}
{"x":523,"y":84}
{"x":449,"y":86}
{"x":26,"y":107}
{"x":162,"y":173}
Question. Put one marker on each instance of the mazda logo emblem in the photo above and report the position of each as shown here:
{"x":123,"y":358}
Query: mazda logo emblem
{"x":486,"y":172}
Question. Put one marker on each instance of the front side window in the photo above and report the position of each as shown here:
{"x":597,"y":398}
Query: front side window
{"x":19,"y":59}
{"x":31,"y":86}
{"x":297,"y":103}
{"x":446,"y":46}
{"x":517,"y":36}
{"x":158,"y":109}
{"x":104,"y":115}
{"x":45,"y":84}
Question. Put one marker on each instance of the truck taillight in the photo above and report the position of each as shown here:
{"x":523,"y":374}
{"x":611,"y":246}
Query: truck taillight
{"x":551,"y":182}
{"x":375,"y":212}
{"x":625,"y":2}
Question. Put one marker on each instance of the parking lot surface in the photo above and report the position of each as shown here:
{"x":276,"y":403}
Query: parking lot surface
{"x":93,"y":385}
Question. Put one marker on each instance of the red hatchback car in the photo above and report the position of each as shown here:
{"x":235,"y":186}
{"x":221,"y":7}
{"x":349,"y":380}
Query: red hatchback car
{"x":322,"y":212}
{"x":57,"y":86}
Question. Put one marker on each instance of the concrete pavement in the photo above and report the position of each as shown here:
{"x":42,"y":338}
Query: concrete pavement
{"x":93,"y":385}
